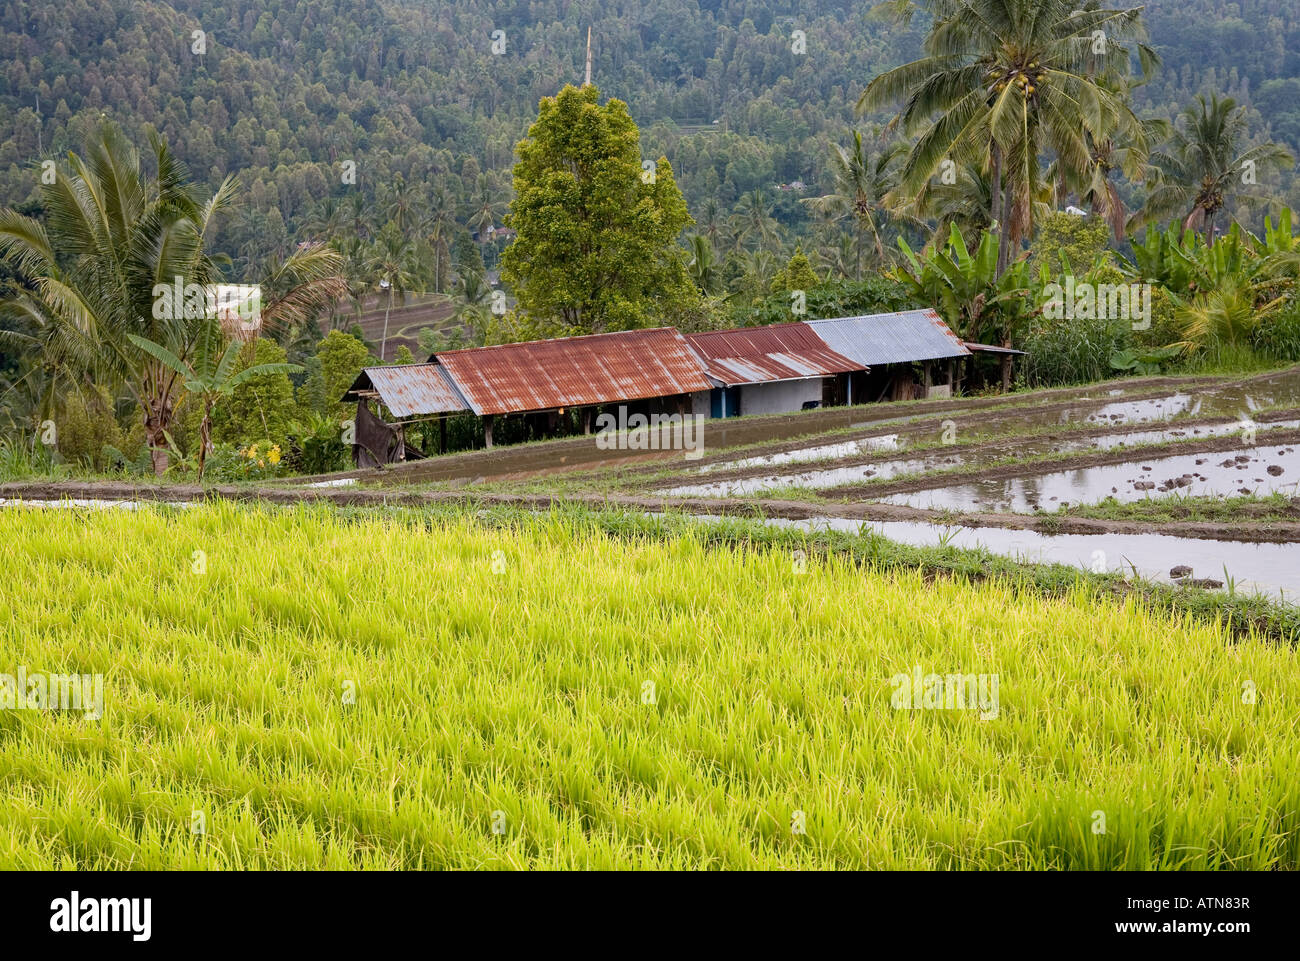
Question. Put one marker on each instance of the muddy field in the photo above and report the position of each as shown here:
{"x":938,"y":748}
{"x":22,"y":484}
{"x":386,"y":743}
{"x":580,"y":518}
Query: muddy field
{"x":1007,"y":474}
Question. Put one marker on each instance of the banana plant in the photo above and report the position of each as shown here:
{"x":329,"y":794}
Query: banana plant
{"x":965,"y":286}
{"x":212,"y":375}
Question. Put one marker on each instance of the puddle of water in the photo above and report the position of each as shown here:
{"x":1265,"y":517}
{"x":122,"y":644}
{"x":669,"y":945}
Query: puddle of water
{"x":340,"y":482}
{"x":1232,"y":400}
{"x":1133,"y":438}
{"x":814,"y":480}
{"x":1256,"y":568}
{"x":825,"y":452}
{"x":1259,"y":470}
{"x":72,"y":502}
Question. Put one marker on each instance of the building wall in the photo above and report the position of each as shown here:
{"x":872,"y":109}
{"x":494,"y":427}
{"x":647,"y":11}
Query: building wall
{"x":781,"y":397}
{"x":700,"y":402}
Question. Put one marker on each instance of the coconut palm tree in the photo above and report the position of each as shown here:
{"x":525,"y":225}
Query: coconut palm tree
{"x":439,"y":226}
{"x":119,"y":254}
{"x":1005,"y":82}
{"x":1109,"y":153}
{"x":753,"y":221}
{"x":357,"y":275}
{"x":860,"y":182}
{"x":325,"y":221}
{"x":393,"y":271}
{"x":712,"y":223}
{"x":966,"y":201}
{"x":703,"y":264}
{"x":485,"y":207}
{"x":299,"y":288}
{"x":1206,"y":167}
{"x":401,"y":205}
{"x":356,"y":214}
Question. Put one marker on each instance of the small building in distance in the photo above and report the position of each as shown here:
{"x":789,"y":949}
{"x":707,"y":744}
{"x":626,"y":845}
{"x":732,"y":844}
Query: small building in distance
{"x":772,"y":369}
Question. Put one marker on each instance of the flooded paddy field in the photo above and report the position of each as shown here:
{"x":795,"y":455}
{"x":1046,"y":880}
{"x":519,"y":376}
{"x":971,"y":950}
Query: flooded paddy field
{"x":1259,"y":471}
{"x":1252,"y":568}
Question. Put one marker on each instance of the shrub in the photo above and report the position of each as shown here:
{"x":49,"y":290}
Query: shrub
{"x":1279,"y":338}
{"x":1071,"y":351}
{"x":85,"y":425}
{"x":341,"y":359}
{"x":259,"y":461}
{"x":261,"y":407}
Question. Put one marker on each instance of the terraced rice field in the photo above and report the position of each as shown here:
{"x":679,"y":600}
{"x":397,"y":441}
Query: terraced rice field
{"x":293,"y":687}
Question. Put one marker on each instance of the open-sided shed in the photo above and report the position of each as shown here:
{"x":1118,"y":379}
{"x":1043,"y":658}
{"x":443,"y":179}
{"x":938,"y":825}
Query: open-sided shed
{"x":889,"y":345}
{"x":410,"y":392}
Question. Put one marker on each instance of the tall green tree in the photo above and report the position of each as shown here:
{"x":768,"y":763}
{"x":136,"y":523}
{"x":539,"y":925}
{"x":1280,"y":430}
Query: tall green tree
{"x":596,"y":247}
{"x":393,"y":268}
{"x":439,"y":228}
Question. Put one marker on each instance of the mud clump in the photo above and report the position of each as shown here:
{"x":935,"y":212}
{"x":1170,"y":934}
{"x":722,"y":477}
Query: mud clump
{"x":1179,"y":572}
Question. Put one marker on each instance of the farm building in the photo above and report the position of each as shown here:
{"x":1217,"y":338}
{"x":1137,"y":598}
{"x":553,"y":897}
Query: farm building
{"x":411,"y":393}
{"x":725,"y":373}
{"x":769,"y":370}
{"x":654,"y":369}
{"x":907,"y":354}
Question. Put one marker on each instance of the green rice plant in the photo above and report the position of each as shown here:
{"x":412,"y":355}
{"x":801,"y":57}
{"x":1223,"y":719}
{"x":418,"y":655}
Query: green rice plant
{"x":442,"y":690}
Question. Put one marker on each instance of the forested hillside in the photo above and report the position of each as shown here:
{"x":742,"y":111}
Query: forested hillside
{"x":287,"y":93}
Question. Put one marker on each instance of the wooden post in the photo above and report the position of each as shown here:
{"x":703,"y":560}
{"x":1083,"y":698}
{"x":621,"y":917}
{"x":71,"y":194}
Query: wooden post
{"x":586,"y":420}
{"x":487,"y":430}
{"x":442,"y":434}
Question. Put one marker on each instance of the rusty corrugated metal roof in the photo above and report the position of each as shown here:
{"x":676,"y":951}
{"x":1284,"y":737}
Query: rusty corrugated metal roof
{"x":410,"y":389}
{"x":574,"y":371}
{"x":895,"y":338}
{"x":755,"y":355}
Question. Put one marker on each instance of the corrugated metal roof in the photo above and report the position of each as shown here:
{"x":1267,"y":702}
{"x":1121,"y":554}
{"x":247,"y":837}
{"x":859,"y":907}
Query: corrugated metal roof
{"x":410,"y":389}
{"x":575,"y":371}
{"x":896,"y":338}
{"x":754,"y":355}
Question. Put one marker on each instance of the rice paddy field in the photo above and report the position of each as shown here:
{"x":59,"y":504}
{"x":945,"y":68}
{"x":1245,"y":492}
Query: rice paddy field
{"x":307,"y":688}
